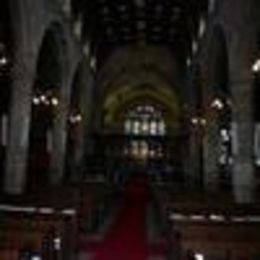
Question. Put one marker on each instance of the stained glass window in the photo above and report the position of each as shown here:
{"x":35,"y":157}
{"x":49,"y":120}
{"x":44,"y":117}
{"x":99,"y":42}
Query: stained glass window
{"x":143,"y":121}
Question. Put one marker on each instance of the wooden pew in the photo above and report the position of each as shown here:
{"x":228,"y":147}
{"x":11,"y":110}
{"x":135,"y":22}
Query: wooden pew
{"x":223,"y":230}
{"x":63,"y":212}
{"x":37,"y":231}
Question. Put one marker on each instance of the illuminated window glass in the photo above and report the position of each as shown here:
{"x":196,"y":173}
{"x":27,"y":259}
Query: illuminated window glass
{"x":145,"y":127}
{"x":139,"y":109}
{"x":144,"y":120}
{"x":161,"y":128}
{"x":152,"y":153}
{"x":128,"y":126}
{"x":136,"y":128}
{"x":144,"y":149}
{"x":135,"y":148}
{"x":153,"y":128}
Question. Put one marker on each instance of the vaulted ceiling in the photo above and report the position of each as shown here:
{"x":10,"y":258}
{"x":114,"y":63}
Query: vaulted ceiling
{"x":112,"y":25}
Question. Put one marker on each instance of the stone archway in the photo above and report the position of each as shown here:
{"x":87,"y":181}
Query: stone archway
{"x":160,"y":148}
{"x":142,"y":74}
{"x":117,"y":101}
{"x":28,"y":38}
{"x":142,"y":86}
{"x":45,"y":103}
{"x":79,"y":121}
{"x":136,"y":67}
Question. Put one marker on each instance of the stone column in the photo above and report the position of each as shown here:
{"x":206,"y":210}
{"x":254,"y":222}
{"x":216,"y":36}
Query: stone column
{"x":195,"y":141}
{"x":239,"y":28}
{"x":84,"y":142}
{"x":89,"y":108}
{"x":78,"y":153}
{"x":20,"y":109}
{"x":59,"y":135}
{"x":242,"y":113}
{"x":15,"y":176}
{"x":211,"y":155}
{"x":243,"y":125}
{"x":68,"y":59}
{"x":194,"y":173}
{"x":243,"y":169}
{"x":59,"y":130}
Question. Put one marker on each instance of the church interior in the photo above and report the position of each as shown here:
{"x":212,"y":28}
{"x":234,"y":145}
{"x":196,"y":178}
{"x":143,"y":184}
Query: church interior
{"x":130,"y":130}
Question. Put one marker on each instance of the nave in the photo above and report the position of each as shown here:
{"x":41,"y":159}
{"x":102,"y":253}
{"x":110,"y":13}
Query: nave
{"x":93,"y":92}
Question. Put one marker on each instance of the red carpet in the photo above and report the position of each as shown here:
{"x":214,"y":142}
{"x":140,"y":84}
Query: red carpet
{"x":127,"y":239}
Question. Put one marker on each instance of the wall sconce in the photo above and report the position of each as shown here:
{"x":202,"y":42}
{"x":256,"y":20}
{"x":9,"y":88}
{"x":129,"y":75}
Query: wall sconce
{"x":45,"y":99}
{"x":36,"y":257}
{"x":203,"y":121}
{"x":75,"y":119}
{"x":199,"y":121}
{"x":54,"y":101}
{"x":256,"y":66}
{"x":199,"y":256}
{"x":188,"y":62}
{"x":217,"y":103}
{"x":3,"y":61}
{"x":202,"y":27}
{"x":225,"y":135}
{"x":195,"y":121}
{"x":195,"y":47}
{"x":93,"y":63}
{"x":36,"y":101}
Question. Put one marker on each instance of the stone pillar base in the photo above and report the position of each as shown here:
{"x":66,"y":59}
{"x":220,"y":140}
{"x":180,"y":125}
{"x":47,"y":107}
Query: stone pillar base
{"x":243,"y":183}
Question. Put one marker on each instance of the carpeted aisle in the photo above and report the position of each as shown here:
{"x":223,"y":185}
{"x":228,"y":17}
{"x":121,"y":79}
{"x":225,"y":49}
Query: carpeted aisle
{"x":127,"y":240}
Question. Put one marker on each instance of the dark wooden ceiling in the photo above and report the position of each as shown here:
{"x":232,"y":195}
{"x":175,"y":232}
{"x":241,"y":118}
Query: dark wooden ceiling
{"x":111,"y":23}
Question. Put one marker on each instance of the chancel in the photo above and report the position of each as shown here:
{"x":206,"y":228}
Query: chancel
{"x":129,"y":129}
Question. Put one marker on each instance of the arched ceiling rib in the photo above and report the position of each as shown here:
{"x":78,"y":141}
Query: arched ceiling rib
{"x":124,"y":97}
